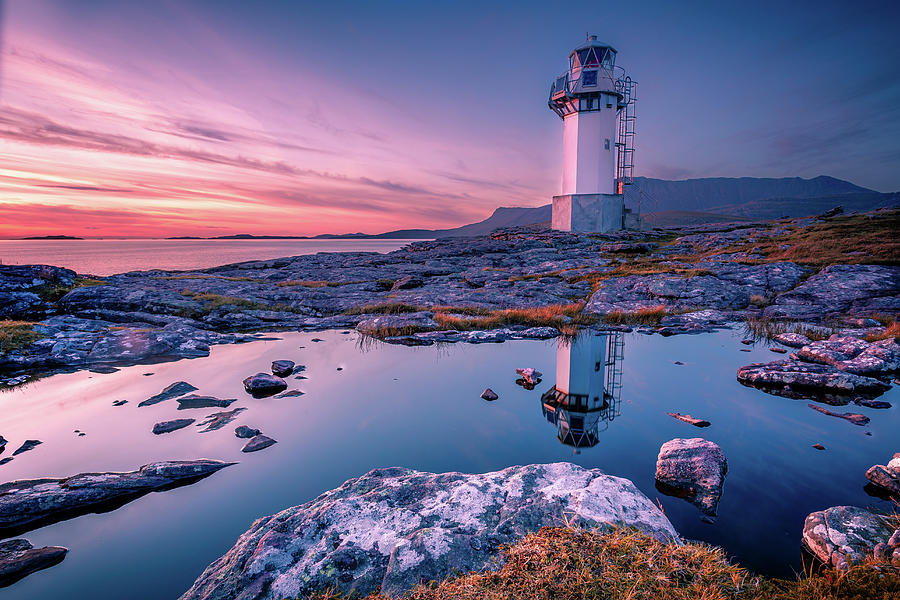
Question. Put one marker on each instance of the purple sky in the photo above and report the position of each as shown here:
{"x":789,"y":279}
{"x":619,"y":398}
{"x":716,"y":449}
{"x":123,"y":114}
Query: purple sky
{"x":207,"y":118}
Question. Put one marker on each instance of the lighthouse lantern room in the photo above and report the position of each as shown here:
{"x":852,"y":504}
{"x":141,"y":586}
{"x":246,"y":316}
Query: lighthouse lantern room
{"x":595,"y":99}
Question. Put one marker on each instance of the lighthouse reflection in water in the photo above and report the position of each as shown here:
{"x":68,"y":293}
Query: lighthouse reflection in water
{"x":588,"y":386}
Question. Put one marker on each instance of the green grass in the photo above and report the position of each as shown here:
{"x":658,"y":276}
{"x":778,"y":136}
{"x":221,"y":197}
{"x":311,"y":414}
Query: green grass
{"x":15,"y":335}
{"x":625,"y":564}
{"x":214,"y":301}
{"x":764,"y":328}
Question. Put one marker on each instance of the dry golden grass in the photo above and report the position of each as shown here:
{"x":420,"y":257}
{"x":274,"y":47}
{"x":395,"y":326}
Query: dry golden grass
{"x":314,"y":283}
{"x":623,"y":564}
{"x":386,"y":308}
{"x":650,"y":315}
{"x":764,"y":328}
{"x":555,"y":315}
{"x":220,"y":277}
{"x":15,"y":335}
{"x":892,"y":330}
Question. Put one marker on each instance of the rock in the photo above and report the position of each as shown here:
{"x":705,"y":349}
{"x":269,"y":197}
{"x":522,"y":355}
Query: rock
{"x":839,"y":289}
{"x":407,"y":283}
{"x":30,"y":503}
{"x":694,"y":469}
{"x":18,"y":559}
{"x":843,"y":533}
{"x":283,"y":368}
{"x":854,"y":355}
{"x":855,"y":418}
{"x":26,"y":446}
{"x":263,"y":384}
{"x":530,"y":375}
{"x":179,"y":388}
{"x":800,"y":375}
{"x":747,"y":342}
{"x":489,"y":395}
{"x":869,"y":403}
{"x":3,"y":461}
{"x":689,"y":419}
{"x":195,"y":401}
{"x":818,"y":446}
{"x":886,"y":477}
{"x":258,"y":442}
{"x":219,"y":420}
{"x":119,"y":402}
{"x":402,"y":324}
{"x":170,"y":426}
{"x":14,"y":381}
{"x":243,"y":431}
{"x":289,"y":393}
{"x":24,"y":289}
{"x":778,"y":350}
{"x":391,"y":528}
{"x":792,"y":340}
{"x":3,"y":442}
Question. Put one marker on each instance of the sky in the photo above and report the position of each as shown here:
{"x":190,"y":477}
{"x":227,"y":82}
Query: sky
{"x":214,"y":117}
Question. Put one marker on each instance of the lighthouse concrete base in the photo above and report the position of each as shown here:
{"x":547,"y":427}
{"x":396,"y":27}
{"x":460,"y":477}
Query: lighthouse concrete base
{"x":589,"y":212}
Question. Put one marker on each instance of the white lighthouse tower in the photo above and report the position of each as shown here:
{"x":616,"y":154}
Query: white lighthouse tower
{"x":595,"y":99}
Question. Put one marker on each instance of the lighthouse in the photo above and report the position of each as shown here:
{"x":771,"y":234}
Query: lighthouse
{"x":595,"y":99}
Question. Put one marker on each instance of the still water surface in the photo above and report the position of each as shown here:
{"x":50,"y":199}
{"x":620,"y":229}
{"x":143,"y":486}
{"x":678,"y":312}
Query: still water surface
{"x":420,"y":408}
{"x":107,"y":257}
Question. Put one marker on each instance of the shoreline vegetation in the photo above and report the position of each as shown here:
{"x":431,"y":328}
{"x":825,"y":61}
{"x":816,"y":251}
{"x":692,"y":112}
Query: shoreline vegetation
{"x":575,"y":563}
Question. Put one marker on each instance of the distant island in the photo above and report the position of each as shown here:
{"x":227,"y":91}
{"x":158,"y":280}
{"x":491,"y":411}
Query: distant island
{"x":53,"y":237}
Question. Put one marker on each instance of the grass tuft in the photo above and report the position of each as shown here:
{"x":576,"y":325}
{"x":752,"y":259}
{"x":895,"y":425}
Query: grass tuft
{"x":650,"y":315}
{"x":554,"y":315}
{"x":765,"y":328}
{"x":15,"y":335}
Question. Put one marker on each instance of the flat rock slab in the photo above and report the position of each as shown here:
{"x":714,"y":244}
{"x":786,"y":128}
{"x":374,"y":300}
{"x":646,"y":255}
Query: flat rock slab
{"x":264,"y":384}
{"x":689,"y":419}
{"x":30,"y":503}
{"x":282,"y":368}
{"x":843,"y":534}
{"x":258,"y":442}
{"x":219,"y":420}
{"x":179,"y":388}
{"x":391,"y":528}
{"x":854,"y":355}
{"x":693,"y":469}
{"x":195,"y":401}
{"x":170,"y":426}
{"x":855,"y":418}
{"x":18,"y":559}
{"x":26,"y":446}
{"x":809,"y":376}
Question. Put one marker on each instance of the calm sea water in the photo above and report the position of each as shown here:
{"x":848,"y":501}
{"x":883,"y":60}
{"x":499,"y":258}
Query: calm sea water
{"x":420,"y":408}
{"x":107,"y":257}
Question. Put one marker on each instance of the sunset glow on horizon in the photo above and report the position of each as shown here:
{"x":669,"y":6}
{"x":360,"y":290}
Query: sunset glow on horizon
{"x":137,"y":121}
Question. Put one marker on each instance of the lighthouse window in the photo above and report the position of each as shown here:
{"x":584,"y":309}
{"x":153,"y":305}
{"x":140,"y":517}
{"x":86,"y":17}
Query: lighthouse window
{"x":582,"y":56}
{"x":592,"y":59}
{"x":589,"y":78}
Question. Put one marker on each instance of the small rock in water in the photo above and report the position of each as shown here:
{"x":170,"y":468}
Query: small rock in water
{"x":179,"y":388}
{"x":18,"y":559}
{"x":263,"y":384}
{"x":818,"y":446}
{"x":489,"y":395}
{"x":258,"y":442}
{"x":887,"y":477}
{"x":855,"y":418}
{"x":242,"y":431}
{"x":689,"y":419}
{"x":746,"y":342}
{"x":195,"y":401}
{"x":745,"y":350}
{"x":778,"y":350}
{"x":81,"y":434}
{"x":289,"y":394}
{"x":220,"y":419}
{"x":678,"y":362}
{"x":3,"y":442}
{"x":317,"y":340}
{"x":340,"y":369}
{"x":530,"y":375}
{"x":282,"y":368}
{"x":120,"y":402}
{"x":869,"y":403}
{"x":170,"y":426}
{"x":147,"y":374}
{"x":103,"y":370}
{"x":3,"y":461}
{"x":26,"y":446}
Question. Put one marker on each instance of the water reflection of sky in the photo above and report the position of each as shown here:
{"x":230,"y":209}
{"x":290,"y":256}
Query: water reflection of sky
{"x":420,"y":408}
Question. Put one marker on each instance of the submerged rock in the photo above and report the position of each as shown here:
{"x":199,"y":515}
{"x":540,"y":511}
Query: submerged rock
{"x":392,"y":528}
{"x":18,"y":559}
{"x":195,"y":401}
{"x":693,"y":469}
{"x":843,"y":534}
{"x":263,"y":384}
{"x":170,"y":426}
{"x":886,"y":477}
{"x":282,"y":368}
{"x":289,"y":393}
{"x":855,"y":418}
{"x":179,"y":388}
{"x":810,"y":376}
{"x":219,"y":420}
{"x":689,"y":419}
{"x":26,"y":446}
{"x":30,"y":503}
{"x":258,"y":442}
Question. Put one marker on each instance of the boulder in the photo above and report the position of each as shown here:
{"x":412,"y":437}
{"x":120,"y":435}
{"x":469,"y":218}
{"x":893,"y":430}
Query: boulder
{"x":407,"y":282}
{"x":854,"y":355}
{"x":839,"y":289}
{"x":282,"y":368}
{"x":263,"y":384}
{"x":810,"y":376}
{"x":530,"y":375}
{"x":26,"y":504}
{"x":170,"y":426}
{"x":693,"y":469}
{"x":245,"y":432}
{"x":886,"y":477}
{"x":392,"y":528}
{"x":18,"y":559}
{"x":792,"y":340}
{"x":258,"y":442}
{"x":843,"y":534}
{"x":488,"y":394}
{"x":179,"y":388}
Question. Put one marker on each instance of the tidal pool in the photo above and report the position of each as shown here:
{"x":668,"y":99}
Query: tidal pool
{"x":367,"y":406}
